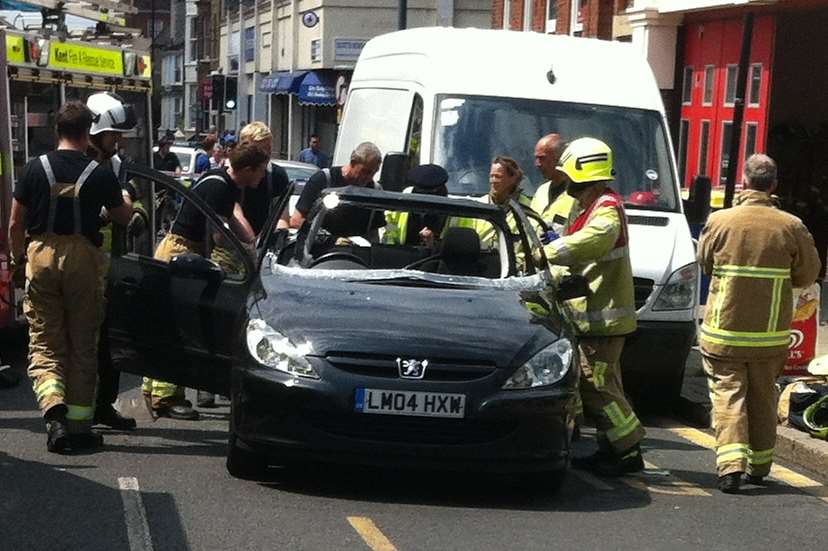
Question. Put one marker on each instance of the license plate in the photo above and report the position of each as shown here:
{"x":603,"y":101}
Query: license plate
{"x":401,"y":402}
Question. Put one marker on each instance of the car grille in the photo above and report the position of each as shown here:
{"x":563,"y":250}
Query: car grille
{"x":386,"y":366}
{"x":412,"y":430}
{"x":643,"y":290}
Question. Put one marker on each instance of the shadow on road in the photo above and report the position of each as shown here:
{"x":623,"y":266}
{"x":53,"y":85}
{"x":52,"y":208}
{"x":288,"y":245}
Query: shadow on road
{"x":48,"y":507}
{"x":446,"y":489}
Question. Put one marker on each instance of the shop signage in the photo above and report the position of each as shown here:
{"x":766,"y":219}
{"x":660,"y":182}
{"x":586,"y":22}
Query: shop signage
{"x":348,"y":49}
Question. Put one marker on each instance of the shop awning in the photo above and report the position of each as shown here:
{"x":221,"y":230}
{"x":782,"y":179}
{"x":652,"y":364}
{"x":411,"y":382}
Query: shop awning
{"x":288,"y":83}
{"x":318,"y":88}
{"x":270,"y":82}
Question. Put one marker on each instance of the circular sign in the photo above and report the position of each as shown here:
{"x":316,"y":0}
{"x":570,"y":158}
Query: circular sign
{"x":310,"y":19}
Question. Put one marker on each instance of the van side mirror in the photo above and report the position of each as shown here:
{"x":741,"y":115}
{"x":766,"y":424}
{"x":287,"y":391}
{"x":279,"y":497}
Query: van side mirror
{"x":394,"y":170}
{"x":195,"y":266}
{"x":697,"y":206}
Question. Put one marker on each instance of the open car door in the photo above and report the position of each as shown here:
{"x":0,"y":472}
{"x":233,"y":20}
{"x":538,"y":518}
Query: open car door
{"x":180,"y":321}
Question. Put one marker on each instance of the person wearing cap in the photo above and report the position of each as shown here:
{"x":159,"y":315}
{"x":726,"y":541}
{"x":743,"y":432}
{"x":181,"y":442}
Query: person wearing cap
{"x":112,"y":118}
{"x":754,"y":253}
{"x":595,"y":246}
{"x":402,"y":228}
{"x":164,"y":159}
{"x":58,"y":203}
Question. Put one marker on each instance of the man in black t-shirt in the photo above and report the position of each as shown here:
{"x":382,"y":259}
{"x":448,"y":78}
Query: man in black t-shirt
{"x":345,"y":220}
{"x":256,"y":202}
{"x":164,"y":159}
{"x":221,"y":190}
{"x":58,"y":203}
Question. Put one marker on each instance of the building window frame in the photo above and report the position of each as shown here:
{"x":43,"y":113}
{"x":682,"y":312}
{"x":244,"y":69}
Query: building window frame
{"x":727,"y":132}
{"x":687,"y":86}
{"x":551,"y":16}
{"x":754,"y":98}
{"x":704,"y":146}
{"x":709,"y":85}
{"x":684,"y":134}
{"x":528,"y":12}
{"x":731,"y":83}
{"x":576,"y":24}
{"x":507,"y":15}
{"x":751,"y":135}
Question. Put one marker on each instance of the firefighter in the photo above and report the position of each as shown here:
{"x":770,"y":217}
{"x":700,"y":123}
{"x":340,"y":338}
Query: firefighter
{"x":595,"y":246}
{"x":58,"y":203}
{"x":557,"y":208}
{"x":755,"y":254}
{"x":112,"y":117}
{"x":221,"y":190}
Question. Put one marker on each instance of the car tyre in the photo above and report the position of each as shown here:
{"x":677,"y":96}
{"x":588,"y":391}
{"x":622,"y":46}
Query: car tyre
{"x":244,"y":463}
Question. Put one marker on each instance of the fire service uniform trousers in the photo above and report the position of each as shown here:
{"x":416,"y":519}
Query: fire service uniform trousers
{"x":160,"y":394}
{"x":743,"y":393}
{"x":602,"y":394}
{"x":64,"y":308}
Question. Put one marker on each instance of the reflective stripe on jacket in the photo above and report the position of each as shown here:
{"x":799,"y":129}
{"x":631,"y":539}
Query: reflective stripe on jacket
{"x":755,"y":254}
{"x":595,"y":246}
{"x":396,"y":225}
{"x":561,"y":212}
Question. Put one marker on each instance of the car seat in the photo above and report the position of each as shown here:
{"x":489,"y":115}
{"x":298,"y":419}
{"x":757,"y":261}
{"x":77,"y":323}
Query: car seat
{"x":460,"y":253}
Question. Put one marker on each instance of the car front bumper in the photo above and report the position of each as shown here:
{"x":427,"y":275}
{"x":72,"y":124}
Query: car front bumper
{"x":292,"y":419}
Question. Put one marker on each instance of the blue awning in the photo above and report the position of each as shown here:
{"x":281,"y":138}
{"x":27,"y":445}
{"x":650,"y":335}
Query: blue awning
{"x":289,"y":82}
{"x":318,"y":88}
{"x":270,"y":82}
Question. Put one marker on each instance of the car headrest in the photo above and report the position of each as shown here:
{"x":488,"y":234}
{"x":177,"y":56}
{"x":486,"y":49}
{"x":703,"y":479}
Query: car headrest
{"x":460,"y":242}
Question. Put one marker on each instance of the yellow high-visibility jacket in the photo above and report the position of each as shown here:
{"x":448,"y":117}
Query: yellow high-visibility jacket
{"x":558,"y":214}
{"x":755,"y":253}
{"x":396,"y":225}
{"x":488,"y":234}
{"x":595,"y":246}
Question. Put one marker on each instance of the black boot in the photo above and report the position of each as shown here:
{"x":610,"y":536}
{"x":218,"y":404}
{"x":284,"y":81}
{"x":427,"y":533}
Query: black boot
{"x":57,"y":437}
{"x":109,"y":416}
{"x":730,"y":483}
{"x":85,"y":441}
{"x":755,"y":480}
{"x":606,"y":463}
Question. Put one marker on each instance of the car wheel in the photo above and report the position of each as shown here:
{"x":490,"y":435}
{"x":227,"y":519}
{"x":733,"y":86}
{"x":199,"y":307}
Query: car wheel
{"x":243,"y":463}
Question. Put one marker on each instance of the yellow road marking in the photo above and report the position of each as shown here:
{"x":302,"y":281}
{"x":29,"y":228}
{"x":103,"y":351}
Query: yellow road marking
{"x":783,"y":474}
{"x":370,"y":534}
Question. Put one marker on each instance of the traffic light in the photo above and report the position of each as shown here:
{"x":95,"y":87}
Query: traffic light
{"x":231,"y":88}
{"x":217,"y":92}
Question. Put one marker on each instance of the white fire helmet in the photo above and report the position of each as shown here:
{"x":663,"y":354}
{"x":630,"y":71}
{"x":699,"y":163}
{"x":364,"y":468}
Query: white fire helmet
{"x":110,"y":113}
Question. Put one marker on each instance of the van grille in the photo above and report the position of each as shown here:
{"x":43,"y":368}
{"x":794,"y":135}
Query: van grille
{"x":386,"y":366}
{"x":643,"y":290}
{"x":648,"y":220}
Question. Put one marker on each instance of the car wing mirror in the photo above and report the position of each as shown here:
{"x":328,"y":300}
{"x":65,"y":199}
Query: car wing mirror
{"x":394,"y":171}
{"x":573,"y":286}
{"x":195,"y":266}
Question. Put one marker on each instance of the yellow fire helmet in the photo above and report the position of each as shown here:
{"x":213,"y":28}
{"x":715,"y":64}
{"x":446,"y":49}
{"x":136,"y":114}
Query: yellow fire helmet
{"x":587,"y":160}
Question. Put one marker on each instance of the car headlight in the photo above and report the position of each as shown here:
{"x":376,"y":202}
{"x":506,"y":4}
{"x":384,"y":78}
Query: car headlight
{"x":272,"y":349}
{"x":680,"y":291}
{"x":544,"y":368}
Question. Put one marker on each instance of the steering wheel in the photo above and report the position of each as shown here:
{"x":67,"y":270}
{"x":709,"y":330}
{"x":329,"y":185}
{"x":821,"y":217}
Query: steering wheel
{"x":418,"y":263}
{"x":338,"y":255}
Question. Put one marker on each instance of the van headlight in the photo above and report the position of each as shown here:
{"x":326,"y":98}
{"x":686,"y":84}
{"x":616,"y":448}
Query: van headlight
{"x":544,"y":368}
{"x":680,"y":291}
{"x":272,"y":349}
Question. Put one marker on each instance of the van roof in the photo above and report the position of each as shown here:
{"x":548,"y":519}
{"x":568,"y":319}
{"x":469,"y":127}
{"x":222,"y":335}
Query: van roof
{"x":511,"y":64}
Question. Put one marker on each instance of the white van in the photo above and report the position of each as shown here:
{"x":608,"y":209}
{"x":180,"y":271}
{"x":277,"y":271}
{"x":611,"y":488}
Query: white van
{"x":459,"y":97}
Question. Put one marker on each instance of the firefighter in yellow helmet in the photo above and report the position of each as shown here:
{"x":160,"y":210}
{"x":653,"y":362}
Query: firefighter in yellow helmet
{"x":595,"y":246}
{"x":754,"y":253}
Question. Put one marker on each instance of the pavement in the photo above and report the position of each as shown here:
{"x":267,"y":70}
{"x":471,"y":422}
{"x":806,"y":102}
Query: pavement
{"x":792,"y":445}
{"x":165,"y":487}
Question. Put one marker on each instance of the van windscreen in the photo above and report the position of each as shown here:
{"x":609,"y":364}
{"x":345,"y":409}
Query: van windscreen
{"x":470,"y":131}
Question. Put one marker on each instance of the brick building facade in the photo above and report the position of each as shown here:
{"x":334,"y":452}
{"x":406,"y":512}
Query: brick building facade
{"x":590,"y":18}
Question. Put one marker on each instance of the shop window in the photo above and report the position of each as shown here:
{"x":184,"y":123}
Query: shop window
{"x":750,"y":138}
{"x":551,"y":16}
{"x":755,"y":85}
{"x":709,"y":84}
{"x":684,"y":130}
{"x":730,"y":85}
{"x":703,"y":143}
{"x":727,"y":137}
{"x":687,"y":86}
